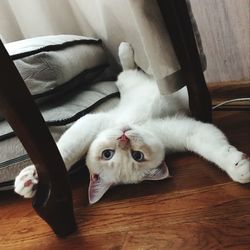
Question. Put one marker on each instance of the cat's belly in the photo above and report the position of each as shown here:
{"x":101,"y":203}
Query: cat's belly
{"x":135,"y":116}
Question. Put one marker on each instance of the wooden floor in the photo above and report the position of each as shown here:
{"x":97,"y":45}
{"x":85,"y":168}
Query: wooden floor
{"x":199,"y":208}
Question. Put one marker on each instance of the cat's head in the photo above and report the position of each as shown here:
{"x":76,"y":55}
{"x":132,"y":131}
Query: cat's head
{"x":124,"y":155}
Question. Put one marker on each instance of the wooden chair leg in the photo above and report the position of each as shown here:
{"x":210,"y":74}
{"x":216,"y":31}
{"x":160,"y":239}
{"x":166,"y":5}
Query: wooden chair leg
{"x":176,"y":16}
{"x":53,"y":200}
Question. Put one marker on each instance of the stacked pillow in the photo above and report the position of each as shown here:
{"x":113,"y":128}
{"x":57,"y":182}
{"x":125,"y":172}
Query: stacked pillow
{"x":48,"y":63}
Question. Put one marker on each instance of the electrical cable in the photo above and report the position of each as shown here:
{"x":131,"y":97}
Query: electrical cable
{"x":230,"y":101}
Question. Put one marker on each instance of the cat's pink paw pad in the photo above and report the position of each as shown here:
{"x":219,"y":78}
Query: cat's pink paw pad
{"x":26,"y":181}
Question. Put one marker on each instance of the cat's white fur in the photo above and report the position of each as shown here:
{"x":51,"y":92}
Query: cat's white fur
{"x":152,"y":124}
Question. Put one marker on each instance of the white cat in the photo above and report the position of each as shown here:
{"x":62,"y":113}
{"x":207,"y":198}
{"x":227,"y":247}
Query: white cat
{"x":128,"y":143}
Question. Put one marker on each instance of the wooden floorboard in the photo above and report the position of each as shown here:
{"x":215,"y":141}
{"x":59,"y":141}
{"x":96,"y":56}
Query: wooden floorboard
{"x":199,"y":208}
{"x":223,"y":91}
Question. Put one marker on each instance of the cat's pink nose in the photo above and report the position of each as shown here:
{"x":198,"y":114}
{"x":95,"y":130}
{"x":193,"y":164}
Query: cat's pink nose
{"x":123,"y":142}
{"x":123,"y":138}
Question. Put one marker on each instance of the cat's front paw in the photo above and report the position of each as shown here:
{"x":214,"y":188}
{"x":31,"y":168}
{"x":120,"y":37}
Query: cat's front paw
{"x":26,"y":181}
{"x":240,"y":170}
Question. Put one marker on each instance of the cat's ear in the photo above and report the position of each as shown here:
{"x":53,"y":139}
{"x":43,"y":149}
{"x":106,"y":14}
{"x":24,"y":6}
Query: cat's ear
{"x":158,"y":173}
{"x":97,"y":188}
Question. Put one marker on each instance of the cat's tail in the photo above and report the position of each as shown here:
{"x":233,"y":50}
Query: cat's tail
{"x":126,"y":55}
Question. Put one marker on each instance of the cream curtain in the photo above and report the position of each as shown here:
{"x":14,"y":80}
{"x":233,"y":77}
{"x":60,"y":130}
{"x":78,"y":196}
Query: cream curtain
{"x":137,"y":22}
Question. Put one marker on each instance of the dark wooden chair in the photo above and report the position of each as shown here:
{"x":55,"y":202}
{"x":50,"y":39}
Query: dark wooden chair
{"x":53,"y":200}
{"x":176,"y":17}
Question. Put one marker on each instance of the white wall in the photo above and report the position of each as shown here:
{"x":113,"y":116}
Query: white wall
{"x":225,"y":31}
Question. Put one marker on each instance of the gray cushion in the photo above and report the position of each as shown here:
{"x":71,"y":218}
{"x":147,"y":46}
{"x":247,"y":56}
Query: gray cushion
{"x":49,"y":61}
{"x":48,"y":64}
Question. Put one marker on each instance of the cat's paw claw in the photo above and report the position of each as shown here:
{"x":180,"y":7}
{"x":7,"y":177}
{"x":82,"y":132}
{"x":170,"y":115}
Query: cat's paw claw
{"x":240,"y":171}
{"x":26,"y":181}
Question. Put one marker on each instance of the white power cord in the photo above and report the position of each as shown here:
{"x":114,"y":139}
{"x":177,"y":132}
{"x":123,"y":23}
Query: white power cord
{"x":230,"y":101}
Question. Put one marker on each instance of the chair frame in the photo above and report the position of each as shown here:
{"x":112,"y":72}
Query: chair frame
{"x":178,"y":23}
{"x":53,"y":199}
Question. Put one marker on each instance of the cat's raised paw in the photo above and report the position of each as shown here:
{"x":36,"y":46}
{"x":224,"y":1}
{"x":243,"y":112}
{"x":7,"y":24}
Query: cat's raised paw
{"x":240,"y":171}
{"x":26,"y":181}
{"x":126,"y":55}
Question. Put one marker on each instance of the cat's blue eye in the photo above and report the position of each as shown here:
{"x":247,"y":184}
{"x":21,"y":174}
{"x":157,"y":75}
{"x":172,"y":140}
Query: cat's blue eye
{"x":137,"y":156}
{"x":107,"y":154}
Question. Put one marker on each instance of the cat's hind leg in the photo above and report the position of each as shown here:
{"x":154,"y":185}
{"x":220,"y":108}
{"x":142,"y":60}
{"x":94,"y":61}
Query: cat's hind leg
{"x":126,"y":55}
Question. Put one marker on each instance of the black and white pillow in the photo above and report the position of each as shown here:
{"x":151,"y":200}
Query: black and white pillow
{"x":48,"y":63}
{"x":52,"y":65}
